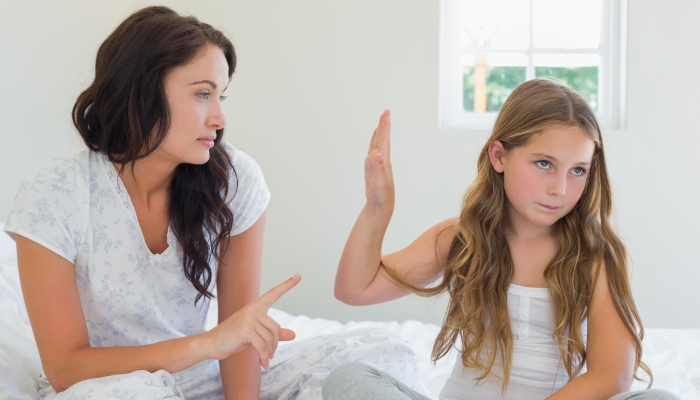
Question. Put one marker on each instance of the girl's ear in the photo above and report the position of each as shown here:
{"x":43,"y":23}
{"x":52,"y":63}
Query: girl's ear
{"x":496,"y":153}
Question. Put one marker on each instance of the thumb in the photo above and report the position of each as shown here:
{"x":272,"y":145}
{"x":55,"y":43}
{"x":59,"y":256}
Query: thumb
{"x":287,"y":334}
{"x":379,"y":160}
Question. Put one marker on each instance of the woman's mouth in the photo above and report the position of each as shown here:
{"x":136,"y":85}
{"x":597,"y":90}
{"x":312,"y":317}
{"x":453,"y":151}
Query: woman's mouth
{"x":548,"y":207}
{"x":207,"y":141}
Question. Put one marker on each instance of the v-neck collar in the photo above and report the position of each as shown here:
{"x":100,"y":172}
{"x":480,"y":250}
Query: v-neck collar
{"x":123,"y":197}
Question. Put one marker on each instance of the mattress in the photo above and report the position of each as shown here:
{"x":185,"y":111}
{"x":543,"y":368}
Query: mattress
{"x":672,"y":354}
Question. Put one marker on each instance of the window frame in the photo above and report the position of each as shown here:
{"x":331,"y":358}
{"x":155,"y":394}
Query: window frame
{"x":611,"y":77}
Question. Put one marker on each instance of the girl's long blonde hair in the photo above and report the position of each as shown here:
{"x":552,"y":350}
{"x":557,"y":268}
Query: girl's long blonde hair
{"x":479,"y":267}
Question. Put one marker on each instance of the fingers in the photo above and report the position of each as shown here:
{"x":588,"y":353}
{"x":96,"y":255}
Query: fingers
{"x":268,"y":299}
{"x":383,"y":134}
{"x":261,"y":347}
{"x":382,"y":130}
{"x":265,"y":338}
{"x":268,"y":339}
{"x":274,"y":328}
{"x":372,"y":141}
{"x":287,"y":334}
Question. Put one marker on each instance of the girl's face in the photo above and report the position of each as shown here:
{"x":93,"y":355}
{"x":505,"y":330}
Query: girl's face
{"x":545,"y":178}
{"x":194,"y":92}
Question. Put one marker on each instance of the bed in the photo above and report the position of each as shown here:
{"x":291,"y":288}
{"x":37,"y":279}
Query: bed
{"x":673,"y":354}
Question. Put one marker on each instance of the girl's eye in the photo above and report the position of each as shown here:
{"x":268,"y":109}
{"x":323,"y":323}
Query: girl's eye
{"x":204,"y":96}
{"x":543,"y":164}
{"x":222,"y":98}
{"x":578,"y":171}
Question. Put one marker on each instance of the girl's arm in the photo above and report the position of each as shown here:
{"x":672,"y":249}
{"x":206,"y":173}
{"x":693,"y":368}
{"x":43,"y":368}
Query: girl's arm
{"x":610,"y":351}
{"x":361,"y":279}
{"x":238,"y":283}
{"x":51,"y":295}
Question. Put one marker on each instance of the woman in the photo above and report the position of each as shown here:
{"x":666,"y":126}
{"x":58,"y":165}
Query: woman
{"x":118,"y":245}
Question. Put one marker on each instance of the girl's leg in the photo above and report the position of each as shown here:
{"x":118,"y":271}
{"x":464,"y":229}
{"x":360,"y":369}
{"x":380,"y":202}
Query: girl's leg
{"x":300,"y":369}
{"x":651,"y":394}
{"x":360,"y":381}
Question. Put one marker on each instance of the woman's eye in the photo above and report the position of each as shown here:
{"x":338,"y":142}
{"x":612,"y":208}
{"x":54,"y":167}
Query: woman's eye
{"x":578,"y":171}
{"x":222,"y":98}
{"x":543,"y":164}
{"x":205,"y":96}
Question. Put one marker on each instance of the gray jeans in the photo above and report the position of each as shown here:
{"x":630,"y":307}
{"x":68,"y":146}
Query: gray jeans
{"x":362,"y":382}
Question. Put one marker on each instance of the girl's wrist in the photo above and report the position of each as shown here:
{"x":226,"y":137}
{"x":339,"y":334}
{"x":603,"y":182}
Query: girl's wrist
{"x":382,"y":213}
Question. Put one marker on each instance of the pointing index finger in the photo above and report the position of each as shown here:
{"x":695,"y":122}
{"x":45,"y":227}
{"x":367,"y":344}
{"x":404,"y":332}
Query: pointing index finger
{"x":268,"y":299}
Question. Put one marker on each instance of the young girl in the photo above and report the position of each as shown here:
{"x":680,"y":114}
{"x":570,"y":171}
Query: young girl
{"x":540,"y":302}
{"x":120,"y":245}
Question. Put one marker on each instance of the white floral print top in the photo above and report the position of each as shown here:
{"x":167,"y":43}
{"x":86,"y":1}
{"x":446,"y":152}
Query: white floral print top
{"x":78,"y":208}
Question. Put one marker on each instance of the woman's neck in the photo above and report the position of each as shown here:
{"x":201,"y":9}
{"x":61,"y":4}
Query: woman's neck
{"x":147,"y":180}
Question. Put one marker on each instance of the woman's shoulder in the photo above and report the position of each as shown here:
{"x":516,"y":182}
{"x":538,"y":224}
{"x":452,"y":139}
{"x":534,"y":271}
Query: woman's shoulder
{"x":246,"y":171}
{"x":248,"y":194}
{"x":239,"y":158}
{"x":63,"y":175}
{"x":51,"y":203}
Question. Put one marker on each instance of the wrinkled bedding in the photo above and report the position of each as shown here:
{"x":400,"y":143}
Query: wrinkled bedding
{"x":673,"y":354}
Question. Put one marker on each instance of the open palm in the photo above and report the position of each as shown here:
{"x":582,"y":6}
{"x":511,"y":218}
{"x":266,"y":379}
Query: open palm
{"x":379,"y":181}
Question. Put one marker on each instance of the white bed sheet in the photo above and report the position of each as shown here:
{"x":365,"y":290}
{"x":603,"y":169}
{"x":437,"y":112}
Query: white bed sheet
{"x":673,"y":354}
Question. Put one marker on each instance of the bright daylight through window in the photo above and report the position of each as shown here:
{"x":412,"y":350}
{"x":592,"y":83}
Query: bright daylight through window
{"x":491,"y":46}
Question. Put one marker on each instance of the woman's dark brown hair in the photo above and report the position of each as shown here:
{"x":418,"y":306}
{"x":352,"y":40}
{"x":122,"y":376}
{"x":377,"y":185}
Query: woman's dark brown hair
{"x":125,"y":115}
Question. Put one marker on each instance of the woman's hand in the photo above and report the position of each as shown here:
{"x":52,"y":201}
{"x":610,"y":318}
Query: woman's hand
{"x":379,"y":180}
{"x":251,"y":326}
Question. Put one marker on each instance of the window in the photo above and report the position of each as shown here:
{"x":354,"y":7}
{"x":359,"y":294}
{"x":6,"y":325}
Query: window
{"x":488,"y":47}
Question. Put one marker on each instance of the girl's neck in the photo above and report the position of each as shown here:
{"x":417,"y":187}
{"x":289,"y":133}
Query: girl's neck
{"x":518,"y":227}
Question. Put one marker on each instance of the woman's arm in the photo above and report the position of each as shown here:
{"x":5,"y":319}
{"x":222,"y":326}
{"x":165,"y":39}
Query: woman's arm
{"x":56,"y":316}
{"x":361,"y":279}
{"x":610,"y":351}
{"x":238,"y":283}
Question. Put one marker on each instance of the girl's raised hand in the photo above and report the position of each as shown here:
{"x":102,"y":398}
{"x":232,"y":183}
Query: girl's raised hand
{"x":251,"y":326}
{"x":379,"y":180}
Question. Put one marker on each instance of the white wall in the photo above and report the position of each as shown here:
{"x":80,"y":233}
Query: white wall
{"x":313,"y":78}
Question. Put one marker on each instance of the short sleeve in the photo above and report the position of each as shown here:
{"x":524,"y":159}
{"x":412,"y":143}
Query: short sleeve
{"x":49,"y":206}
{"x":248,"y":195}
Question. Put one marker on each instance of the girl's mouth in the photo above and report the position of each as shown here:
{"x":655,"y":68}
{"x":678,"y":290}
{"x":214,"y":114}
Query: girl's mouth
{"x":551,"y":208}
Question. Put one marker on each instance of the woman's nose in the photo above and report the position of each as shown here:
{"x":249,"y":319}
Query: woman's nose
{"x":216,"y":118}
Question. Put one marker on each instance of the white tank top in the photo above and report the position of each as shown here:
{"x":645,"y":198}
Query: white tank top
{"x":535,"y":372}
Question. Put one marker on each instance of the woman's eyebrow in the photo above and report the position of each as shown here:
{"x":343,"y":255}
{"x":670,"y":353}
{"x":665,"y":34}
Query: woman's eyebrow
{"x":550,"y":158}
{"x":207,"y":81}
{"x":212,"y":84}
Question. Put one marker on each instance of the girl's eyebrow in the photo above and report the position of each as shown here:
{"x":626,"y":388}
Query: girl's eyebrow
{"x":550,"y":158}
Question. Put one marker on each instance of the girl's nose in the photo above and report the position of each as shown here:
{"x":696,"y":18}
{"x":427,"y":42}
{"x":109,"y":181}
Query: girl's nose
{"x":558,"y":185}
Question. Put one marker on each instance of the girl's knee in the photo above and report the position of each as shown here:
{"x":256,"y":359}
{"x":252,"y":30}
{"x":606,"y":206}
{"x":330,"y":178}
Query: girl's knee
{"x":344,"y":378}
{"x":651,"y":394}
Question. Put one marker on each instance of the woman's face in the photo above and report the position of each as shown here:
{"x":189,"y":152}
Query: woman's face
{"x":194,"y":92}
{"x":545,"y":178}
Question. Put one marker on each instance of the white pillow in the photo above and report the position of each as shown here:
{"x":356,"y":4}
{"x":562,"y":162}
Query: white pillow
{"x":19,"y":357}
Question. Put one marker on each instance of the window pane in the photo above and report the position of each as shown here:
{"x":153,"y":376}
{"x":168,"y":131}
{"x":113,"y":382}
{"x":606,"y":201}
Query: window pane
{"x":494,"y":24}
{"x":579,"y":71}
{"x":488,"y":80}
{"x":566,"y":24}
